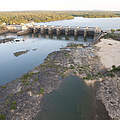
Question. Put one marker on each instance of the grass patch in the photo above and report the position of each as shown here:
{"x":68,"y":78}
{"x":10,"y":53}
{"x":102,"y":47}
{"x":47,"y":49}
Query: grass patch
{"x":110,"y":74}
{"x":4,"y":87}
{"x":72,"y":67}
{"x":41,"y":90}
{"x":36,"y":79}
{"x":89,"y":77}
{"x":112,"y":35}
{"x":13,"y":105}
{"x":2,"y":117}
{"x":25,"y":78}
{"x":75,"y":45}
{"x":66,"y":54}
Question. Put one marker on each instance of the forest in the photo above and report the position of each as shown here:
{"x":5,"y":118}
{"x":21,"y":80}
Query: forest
{"x":28,"y":16}
{"x":93,"y":14}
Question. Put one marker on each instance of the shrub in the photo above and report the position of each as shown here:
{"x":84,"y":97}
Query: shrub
{"x":115,"y":69}
{"x":112,"y":30}
{"x":118,"y":29}
{"x":72,"y":67}
{"x":110,"y":74}
{"x":41,"y":90}
{"x":13,"y":105}
{"x":36,"y":79}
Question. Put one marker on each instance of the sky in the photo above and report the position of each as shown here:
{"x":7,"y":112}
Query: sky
{"x":18,"y":5}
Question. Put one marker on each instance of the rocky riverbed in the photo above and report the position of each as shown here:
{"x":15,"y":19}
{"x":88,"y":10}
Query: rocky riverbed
{"x":20,"y":99}
{"x":109,"y":93}
{"x":109,"y":89}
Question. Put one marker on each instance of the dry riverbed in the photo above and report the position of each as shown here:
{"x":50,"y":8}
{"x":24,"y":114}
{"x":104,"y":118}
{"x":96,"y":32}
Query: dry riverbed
{"x":20,"y":99}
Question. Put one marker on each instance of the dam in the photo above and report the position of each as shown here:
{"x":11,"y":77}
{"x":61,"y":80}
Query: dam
{"x":61,"y":30}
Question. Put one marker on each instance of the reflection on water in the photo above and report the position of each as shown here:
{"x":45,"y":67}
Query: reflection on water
{"x":12,"y":67}
{"x":73,"y":100}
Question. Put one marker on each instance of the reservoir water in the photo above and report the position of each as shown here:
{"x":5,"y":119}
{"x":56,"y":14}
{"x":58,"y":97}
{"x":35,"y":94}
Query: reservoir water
{"x":103,"y":23}
{"x":36,"y":48}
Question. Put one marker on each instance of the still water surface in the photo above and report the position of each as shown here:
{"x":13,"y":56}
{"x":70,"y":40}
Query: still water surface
{"x":12,"y":67}
{"x":73,"y":100}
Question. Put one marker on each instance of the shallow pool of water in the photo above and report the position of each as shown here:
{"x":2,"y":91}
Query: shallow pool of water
{"x":73,"y":100}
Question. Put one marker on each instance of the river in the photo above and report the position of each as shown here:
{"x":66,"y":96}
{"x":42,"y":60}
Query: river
{"x":73,"y":100}
{"x":37,"y":47}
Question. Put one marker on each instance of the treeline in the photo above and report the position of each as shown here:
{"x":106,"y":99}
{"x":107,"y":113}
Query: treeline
{"x":46,"y":16}
{"x":28,"y":16}
{"x":94,"y":14}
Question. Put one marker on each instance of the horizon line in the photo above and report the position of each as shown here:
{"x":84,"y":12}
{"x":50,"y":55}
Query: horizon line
{"x":58,"y":10}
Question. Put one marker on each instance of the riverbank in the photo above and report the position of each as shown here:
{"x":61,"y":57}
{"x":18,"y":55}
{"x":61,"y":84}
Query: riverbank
{"x":109,"y":91}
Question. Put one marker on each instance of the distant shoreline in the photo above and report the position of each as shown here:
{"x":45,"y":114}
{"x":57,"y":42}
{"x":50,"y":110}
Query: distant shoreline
{"x":19,"y":17}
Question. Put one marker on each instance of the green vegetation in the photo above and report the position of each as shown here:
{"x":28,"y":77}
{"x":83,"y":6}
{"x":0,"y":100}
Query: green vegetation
{"x":66,"y":54}
{"x":115,"y":69}
{"x":36,"y":79}
{"x":94,"y":14}
{"x":2,"y":117}
{"x":110,"y":73}
{"x":89,"y":77}
{"x":29,"y":16}
{"x":72,"y":67}
{"x":27,"y":75}
{"x":13,"y":105}
{"x":75,"y":45}
{"x":118,"y":30}
{"x":46,"y":16}
{"x":4,"y":87}
{"x":115,"y":36}
{"x":41,"y":90}
{"x":25,"y":78}
{"x":112,"y":30}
